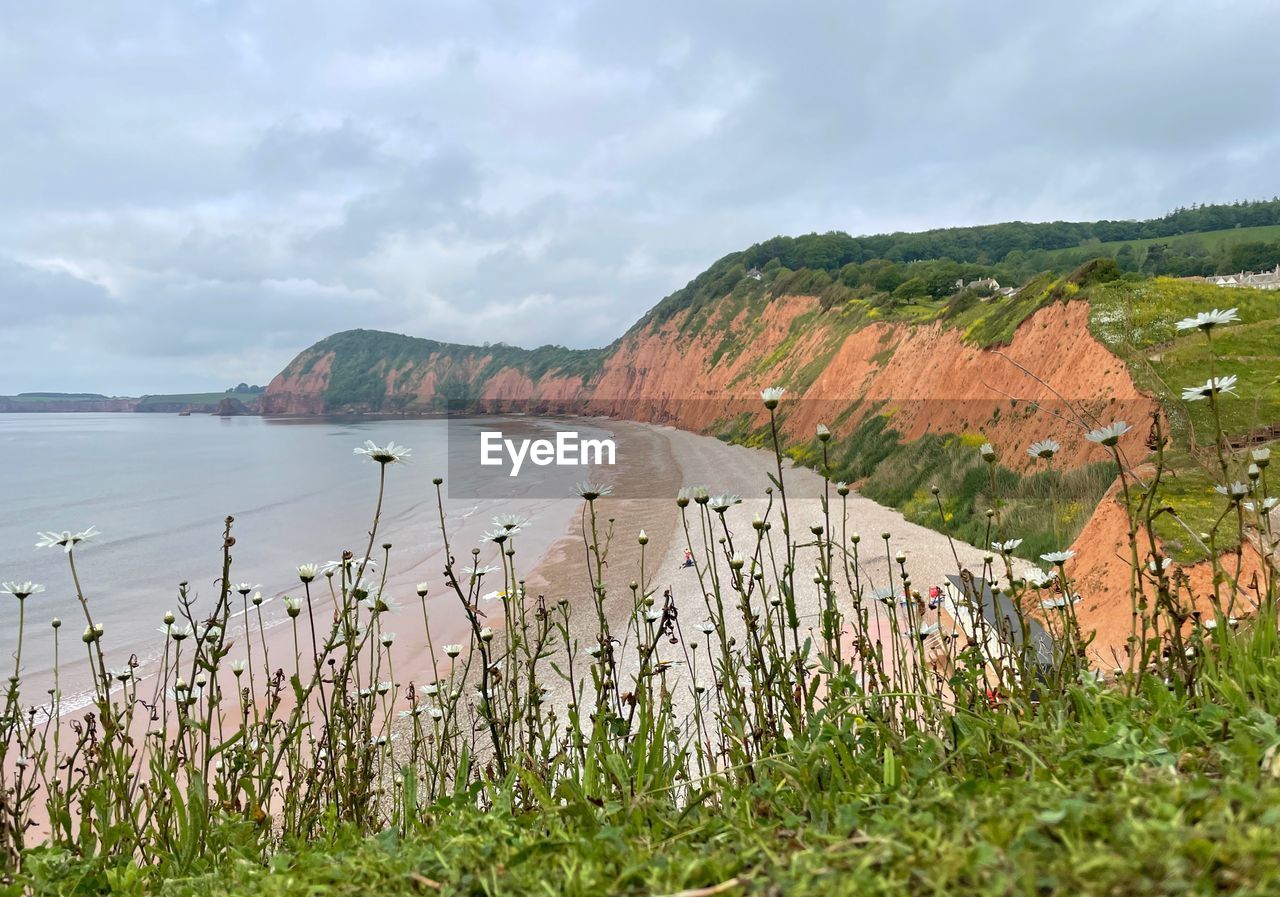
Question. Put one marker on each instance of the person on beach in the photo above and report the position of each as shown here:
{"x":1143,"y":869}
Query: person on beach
{"x":688,"y":558}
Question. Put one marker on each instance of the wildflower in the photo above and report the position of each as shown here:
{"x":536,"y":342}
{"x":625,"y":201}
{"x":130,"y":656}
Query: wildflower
{"x":92,"y":633}
{"x":363,"y":588}
{"x":700,"y":495}
{"x":510,"y":521}
{"x":452,"y":650}
{"x":238,"y":667}
{"x":308,"y":572}
{"x":181,"y":633}
{"x":842,"y":488}
{"x":721,"y":503}
{"x":384,"y":686}
{"x":643,"y":538}
{"x":1108,"y":435}
{"x":928,"y":629}
{"x":56,"y":623}
{"x":257,"y":599}
{"x":1007,"y":546}
{"x":706,"y":627}
{"x":486,"y":634}
{"x":122,"y":674}
{"x":387,"y":454}
{"x":292,"y":606}
{"x":1266,"y":504}
{"x":1163,"y":565}
{"x":66,"y":540}
{"x":430,"y":690}
{"x":1261,"y":456}
{"x":824,"y":434}
{"x":422,"y":589}
{"x":500,"y":535}
{"x":591,"y":491}
{"x":436,"y":713}
{"x":21,"y":590}
{"x":772,"y":396}
{"x":987,"y":452}
{"x":1058,"y":557}
{"x":1211,"y":387}
{"x":387,"y":639}
{"x":1234,"y":491}
{"x":1045,"y":449}
{"x":481,"y":570}
{"x":684,"y":496}
{"x":1039,"y":579}
{"x":380,"y":604}
{"x":1207,"y":320}
{"x":1064,"y":601}
{"x":349,"y":564}
{"x":244,"y":588}
{"x":1211,"y":624}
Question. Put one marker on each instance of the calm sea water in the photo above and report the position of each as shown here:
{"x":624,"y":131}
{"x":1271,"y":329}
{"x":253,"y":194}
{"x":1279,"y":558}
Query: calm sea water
{"x":159,"y":486}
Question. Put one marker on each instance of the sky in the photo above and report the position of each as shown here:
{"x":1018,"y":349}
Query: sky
{"x":193,"y":192}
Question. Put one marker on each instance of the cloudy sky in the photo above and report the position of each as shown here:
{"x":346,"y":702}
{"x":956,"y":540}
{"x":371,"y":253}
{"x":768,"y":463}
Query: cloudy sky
{"x":192,"y":192}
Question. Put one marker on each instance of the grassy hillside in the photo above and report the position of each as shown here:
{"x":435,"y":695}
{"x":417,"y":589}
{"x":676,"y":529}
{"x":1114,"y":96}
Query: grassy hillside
{"x":363,"y":360}
{"x":199,"y":400}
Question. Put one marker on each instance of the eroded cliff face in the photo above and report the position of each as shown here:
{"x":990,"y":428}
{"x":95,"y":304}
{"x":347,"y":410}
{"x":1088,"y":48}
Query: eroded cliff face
{"x":924,"y":378}
{"x":705,"y":373}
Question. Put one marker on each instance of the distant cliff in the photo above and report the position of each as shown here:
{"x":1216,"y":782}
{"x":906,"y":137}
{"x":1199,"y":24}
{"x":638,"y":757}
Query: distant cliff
{"x":244,"y":402}
{"x":34,"y":403}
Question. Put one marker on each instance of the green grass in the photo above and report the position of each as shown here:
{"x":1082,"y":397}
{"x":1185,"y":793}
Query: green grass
{"x":1207,"y":240}
{"x":1109,"y":794}
{"x":209,"y":399}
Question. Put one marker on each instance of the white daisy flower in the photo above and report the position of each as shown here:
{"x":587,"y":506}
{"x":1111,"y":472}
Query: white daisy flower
{"x":1207,"y":320}
{"x":386,"y":454}
{"x":21,"y":590}
{"x":66,"y":540}
{"x":452,"y":650}
{"x":510,"y":521}
{"x":308,"y":572}
{"x":772,"y":396}
{"x":724,"y":501}
{"x":1212,"y":386}
{"x":1234,"y":491}
{"x":1108,"y":435}
{"x":1040,"y":579}
{"x":1266,"y":504}
{"x":1045,"y":449}
{"x":1064,"y":601}
{"x":987,"y":452}
{"x":1058,"y":557}
{"x":591,"y":491}
{"x":1006,"y":546}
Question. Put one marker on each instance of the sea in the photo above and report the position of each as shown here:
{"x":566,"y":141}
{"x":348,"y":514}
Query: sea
{"x":159,"y":488}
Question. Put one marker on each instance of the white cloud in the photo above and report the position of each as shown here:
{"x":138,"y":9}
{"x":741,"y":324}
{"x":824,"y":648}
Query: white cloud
{"x":190,"y":196}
